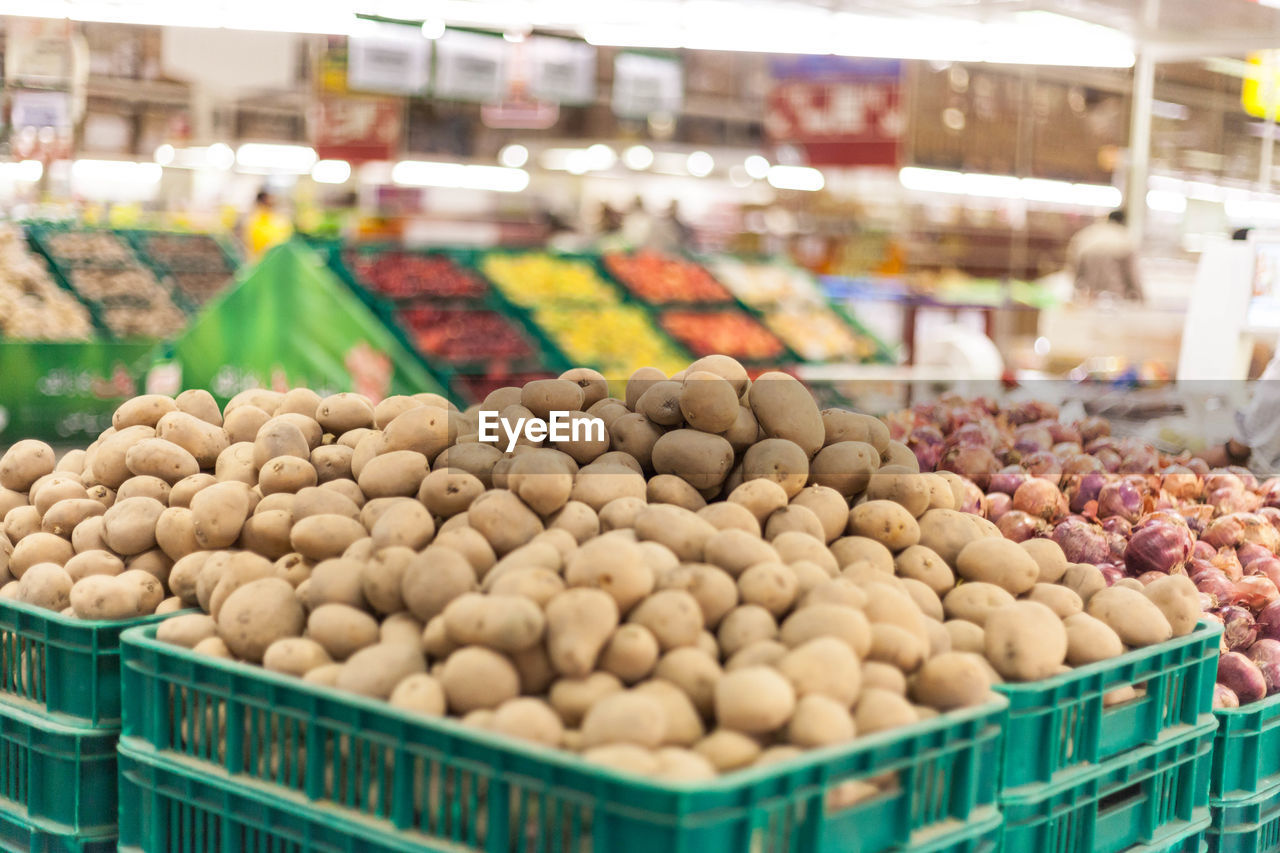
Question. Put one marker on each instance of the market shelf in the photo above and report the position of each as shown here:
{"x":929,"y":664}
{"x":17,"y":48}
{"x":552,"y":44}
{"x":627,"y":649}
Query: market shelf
{"x":446,"y":785}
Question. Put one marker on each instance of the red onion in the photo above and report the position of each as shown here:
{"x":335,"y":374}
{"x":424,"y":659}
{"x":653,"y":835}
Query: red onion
{"x":1083,"y":489}
{"x":1228,"y":563}
{"x":1043,"y":465}
{"x":1220,"y":478}
{"x":1255,"y":592}
{"x":1269,"y":621}
{"x":1081,"y":541}
{"x":1239,"y":629}
{"x":1224,"y":697}
{"x":1111,"y":573}
{"x":974,"y":502}
{"x":1122,"y":498}
{"x":1208,"y":602}
{"x":1020,"y":526}
{"x":1250,"y":552}
{"x":1271,"y":514}
{"x":1182,"y":483}
{"x":1203,"y":550}
{"x":1268,"y":568}
{"x":1215,"y":583}
{"x":1065,"y":450}
{"x":1080,"y":463}
{"x":1158,"y":547}
{"x":1007,"y":479}
{"x":1040,"y":498}
{"x":1064,"y":433}
{"x":1140,"y":460}
{"x":1264,"y":649}
{"x":1032,"y":438}
{"x":1116,"y":524}
{"x":1240,"y":527}
{"x":1246,"y":476}
{"x":1094,"y":427}
{"x":1197,"y":466}
{"x":1109,"y":457}
{"x":1270,"y":492}
{"x":1147,"y":577}
{"x":998,"y":503}
{"x":973,"y":463}
{"x":1029,"y":411}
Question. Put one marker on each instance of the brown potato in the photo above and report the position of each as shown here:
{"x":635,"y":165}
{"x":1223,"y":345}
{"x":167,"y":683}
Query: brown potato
{"x":700,"y":459}
{"x":778,"y":460}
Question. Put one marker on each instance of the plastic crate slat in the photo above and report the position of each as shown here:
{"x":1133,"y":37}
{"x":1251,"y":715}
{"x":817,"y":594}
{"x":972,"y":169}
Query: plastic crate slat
{"x":468,"y":787}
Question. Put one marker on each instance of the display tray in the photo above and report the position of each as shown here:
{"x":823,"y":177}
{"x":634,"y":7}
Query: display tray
{"x":1059,"y":726}
{"x":444,"y":785}
{"x":1246,"y":751}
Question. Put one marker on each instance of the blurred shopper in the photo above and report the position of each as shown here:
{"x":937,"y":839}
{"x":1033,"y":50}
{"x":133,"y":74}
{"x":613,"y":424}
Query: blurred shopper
{"x":1103,"y":259}
{"x":637,"y":224}
{"x":265,"y":227}
{"x":669,"y":233}
{"x":611,"y":236}
{"x":562,"y":236}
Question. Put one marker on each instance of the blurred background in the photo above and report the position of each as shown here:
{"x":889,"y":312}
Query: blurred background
{"x":459,"y":194}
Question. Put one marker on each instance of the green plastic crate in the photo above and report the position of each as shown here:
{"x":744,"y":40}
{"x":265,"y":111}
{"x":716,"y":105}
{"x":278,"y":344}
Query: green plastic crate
{"x":1248,"y":824}
{"x":57,"y":775}
{"x":450,"y":787}
{"x":1188,"y":839}
{"x":1246,"y":752}
{"x":23,"y":836}
{"x":1059,"y":724}
{"x":1141,"y":798}
{"x":978,"y":836}
{"x":67,"y":668}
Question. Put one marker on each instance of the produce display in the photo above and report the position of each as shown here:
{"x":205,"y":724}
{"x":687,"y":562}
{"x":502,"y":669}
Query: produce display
{"x":721,"y":577}
{"x":194,"y":263}
{"x":761,"y":284}
{"x":32,"y":305}
{"x":405,"y":275}
{"x":731,"y":332}
{"x":617,"y":338}
{"x":659,"y":279}
{"x":130,"y":301}
{"x":532,"y":279}
{"x":816,"y":333}
{"x":1142,"y":518}
{"x":463,"y":335}
{"x":95,"y":248}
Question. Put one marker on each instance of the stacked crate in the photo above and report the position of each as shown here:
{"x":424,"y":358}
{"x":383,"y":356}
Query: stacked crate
{"x":59,"y":724}
{"x":219,"y":755}
{"x":1244,"y":786}
{"x":1088,"y":769}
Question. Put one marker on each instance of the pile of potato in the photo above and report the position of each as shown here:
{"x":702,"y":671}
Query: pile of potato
{"x":730,"y":577}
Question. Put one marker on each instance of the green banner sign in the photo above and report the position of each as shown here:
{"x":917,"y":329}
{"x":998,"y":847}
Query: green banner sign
{"x":290,"y":322}
{"x":66,"y":392}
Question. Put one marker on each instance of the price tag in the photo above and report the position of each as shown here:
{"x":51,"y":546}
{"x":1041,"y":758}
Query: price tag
{"x":643,"y":85}
{"x":389,"y":58}
{"x":470,"y":67}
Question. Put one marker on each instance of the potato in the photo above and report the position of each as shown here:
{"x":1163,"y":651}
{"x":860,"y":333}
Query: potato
{"x":879,"y":710}
{"x":202,"y":440}
{"x":105,"y":597}
{"x":779,"y":461}
{"x":700,"y":459}
{"x":670,"y":489}
{"x":723,"y":515}
{"x":760,"y":496}
{"x":266,"y":533}
{"x":708,"y":402}
{"x":219,"y":512}
{"x":331,"y":462}
{"x":184,"y":490}
{"x":528,"y":719}
{"x":102,"y":495}
{"x":319,"y":537}
{"x":144,"y":410}
{"x":1025,"y":641}
{"x":660,"y":403}
{"x":256,"y":615}
{"x":341,"y":412}
{"x":966,"y":636}
{"x":849,"y":550}
{"x":1090,"y":640}
{"x":95,"y":562}
{"x":143,"y":487}
{"x":835,"y":591}
{"x":51,"y":489}
{"x":845,"y":466}
{"x":923,"y":565}
{"x":951,"y":680}
{"x":785,"y":409}
{"x":504,"y":520}
{"x":673,"y":616}
{"x":828,"y":505}
{"x":394,"y":473}
{"x":744,"y":625}
{"x":572,"y":697}
{"x":187,"y":629}
{"x":819,"y":721}
{"x":36,"y":548}
{"x":773,"y":586}
{"x":503,"y":623}
{"x":624,"y":717}
{"x":908,"y":489}
{"x":1084,"y":580}
{"x":579,"y":622}
{"x":342,"y":630}
{"x":200,"y":404}
{"x":45,"y":585}
{"x":61,"y":518}
{"x":407,"y":523}
{"x":998,"y":561}
{"x":156,"y":457}
{"x":295,"y":656}
{"x":736,"y":550}
{"x":947,"y":532}
{"x":1062,"y":601}
{"x":25,"y":462}
{"x":376,"y":670}
{"x":419,"y":693}
{"x":713,"y":589}
{"x":243,"y":423}
{"x":593,"y":384}
{"x":754,"y":700}
{"x":1179,"y":601}
{"x":886,"y":522}
{"x":434,"y":578}
{"x":822,"y":620}
{"x":213,"y":647}
{"x":286,"y":474}
{"x":446,"y":492}
{"x":631,"y":653}
{"x":974,"y":602}
{"x":841,"y":425}
{"x":20,"y":522}
{"x":824,"y":666}
{"x":150,"y":588}
{"x":728,"y":750}
{"x":543,"y":396}
{"x":236,"y":463}
{"x":129,"y":526}
{"x":617,"y":568}
{"x":1049,"y":558}
{"x":680,"y":530}
{"x":477,"y":678}
{"x":883,"y":676}
{"x":1134,"y":617}
{"x":794,"y":518}
{"x":693,"y":672}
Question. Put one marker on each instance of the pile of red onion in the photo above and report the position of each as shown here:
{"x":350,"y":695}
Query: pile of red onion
{"x":1120,"y":505}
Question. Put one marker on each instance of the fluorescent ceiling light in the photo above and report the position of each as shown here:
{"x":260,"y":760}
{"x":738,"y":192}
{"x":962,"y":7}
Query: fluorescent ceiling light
{"x":638,"y":157}
{"x":700,"y":164}
{"x":116,"y":171}
{"x":1166,"y":201}
{"x":1008,"y":187}
{"x":579,"y":161}
{"x":328,"y":17}
{"x":28,"y":171}
{"x":757,"y":167}
{"x":331,"y":172}
{"x":795,"y":178}
{"x":513,"y":156}
{"x":423,"y":173}
{"x":269,"y":157}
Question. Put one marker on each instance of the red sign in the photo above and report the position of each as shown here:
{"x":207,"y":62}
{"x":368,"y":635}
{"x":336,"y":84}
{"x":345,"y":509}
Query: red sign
{"x":855,"y":122}
{"x":358,"y":129}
